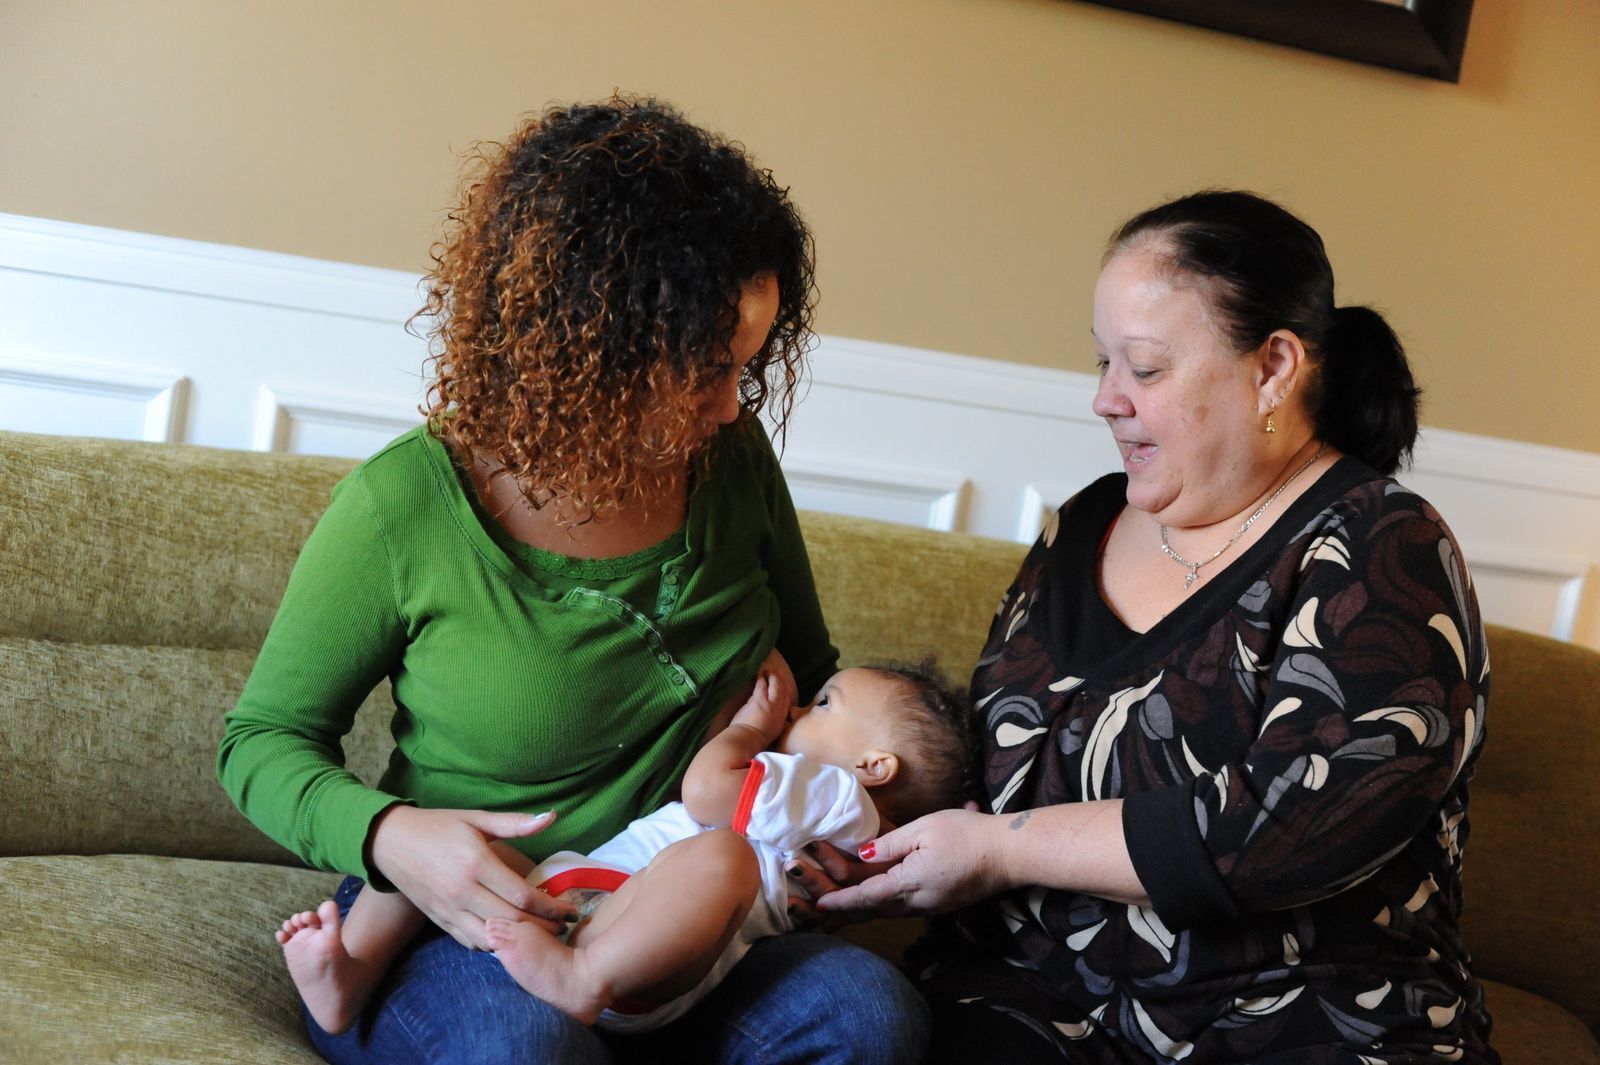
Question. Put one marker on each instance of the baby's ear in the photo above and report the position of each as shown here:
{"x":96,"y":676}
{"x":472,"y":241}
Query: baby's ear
{"x":877,"y":767}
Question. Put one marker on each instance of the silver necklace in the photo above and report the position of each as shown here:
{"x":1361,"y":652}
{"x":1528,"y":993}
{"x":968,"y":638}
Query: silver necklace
{"x":1194,"y":567}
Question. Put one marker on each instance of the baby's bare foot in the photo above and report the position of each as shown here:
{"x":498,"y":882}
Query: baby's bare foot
{"x":546,"y":967}
{"x":323,"y":971}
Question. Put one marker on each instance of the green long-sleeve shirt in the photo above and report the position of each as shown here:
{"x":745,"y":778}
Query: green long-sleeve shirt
{"x":523,"y":680}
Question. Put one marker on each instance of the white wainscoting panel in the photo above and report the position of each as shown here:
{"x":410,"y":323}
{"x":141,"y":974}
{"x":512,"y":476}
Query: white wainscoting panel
{"x":1006,"y":429}
{"x":49,"y":394}
{"x":869,"y":490}
{"x":228,"y":320}
{"x":324,"y":423}
{"x":1546,"y":591}
{"x":1528,"y":521}
{"x":1039,"y":501}
{"x":120,"y":334}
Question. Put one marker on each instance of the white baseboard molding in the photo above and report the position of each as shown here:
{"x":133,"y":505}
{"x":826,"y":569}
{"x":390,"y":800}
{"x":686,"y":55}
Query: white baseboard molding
{"x":112,"y":333}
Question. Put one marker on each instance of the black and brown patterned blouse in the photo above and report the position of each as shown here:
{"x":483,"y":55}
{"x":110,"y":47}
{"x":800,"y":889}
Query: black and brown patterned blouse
{"x":1293,"y":744}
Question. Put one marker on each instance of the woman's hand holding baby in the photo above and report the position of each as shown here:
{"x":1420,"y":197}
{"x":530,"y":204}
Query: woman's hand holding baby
{"x":940,"y":862}
{"x":441,"y":860}
{"x":955,"y":857}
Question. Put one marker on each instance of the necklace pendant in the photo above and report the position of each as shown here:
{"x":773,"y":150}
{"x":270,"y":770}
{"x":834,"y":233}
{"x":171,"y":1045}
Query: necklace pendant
{"x":1194,"y":567}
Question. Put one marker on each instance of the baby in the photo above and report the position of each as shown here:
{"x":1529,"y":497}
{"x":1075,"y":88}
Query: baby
{"x":670,"y":904}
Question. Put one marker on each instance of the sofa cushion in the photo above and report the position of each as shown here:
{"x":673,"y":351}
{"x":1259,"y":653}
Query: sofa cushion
{"x":1531,"y":1030}
{"x":897,"y":592}
{"x":139,"y":958}
{"x":110,"y":749}
{"x":139,"y":544}
{"x":1533,"y":851}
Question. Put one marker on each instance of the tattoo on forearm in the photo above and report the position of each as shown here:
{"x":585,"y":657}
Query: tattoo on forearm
{"x":1020,"y":820}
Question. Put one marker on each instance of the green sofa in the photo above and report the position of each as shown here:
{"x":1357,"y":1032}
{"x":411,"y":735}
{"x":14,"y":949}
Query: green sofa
{"x":136,"y":581}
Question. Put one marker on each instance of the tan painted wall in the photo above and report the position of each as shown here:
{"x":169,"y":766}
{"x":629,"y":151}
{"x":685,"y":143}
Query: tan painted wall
{"x":961,"y":160}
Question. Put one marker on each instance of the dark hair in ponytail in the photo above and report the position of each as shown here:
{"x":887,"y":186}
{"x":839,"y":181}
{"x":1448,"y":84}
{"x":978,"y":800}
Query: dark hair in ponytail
{"x":1266,"y":270}
{"x":1365,"y":394}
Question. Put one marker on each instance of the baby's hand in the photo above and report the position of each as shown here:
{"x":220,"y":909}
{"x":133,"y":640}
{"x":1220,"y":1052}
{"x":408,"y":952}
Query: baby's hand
{"x":767,"y":709}
{"x":772,"y":666}
{"x":777,"y":667}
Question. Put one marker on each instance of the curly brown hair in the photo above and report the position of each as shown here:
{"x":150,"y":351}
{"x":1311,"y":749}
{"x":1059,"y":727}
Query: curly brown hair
{"x":585,"y":292}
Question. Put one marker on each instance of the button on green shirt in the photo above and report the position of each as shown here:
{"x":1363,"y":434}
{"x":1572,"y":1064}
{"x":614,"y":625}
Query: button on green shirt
{"x":523,"y":680}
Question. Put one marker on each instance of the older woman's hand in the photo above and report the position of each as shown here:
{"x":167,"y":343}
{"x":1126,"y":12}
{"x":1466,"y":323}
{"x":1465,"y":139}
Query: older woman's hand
{"x":833,"y":870}
{"x":441,"y":860}
{"x":941,"y":862}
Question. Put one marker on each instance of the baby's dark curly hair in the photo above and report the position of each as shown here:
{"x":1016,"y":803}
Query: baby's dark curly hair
{"x":938,"y":740}
{"x":585,"y":292}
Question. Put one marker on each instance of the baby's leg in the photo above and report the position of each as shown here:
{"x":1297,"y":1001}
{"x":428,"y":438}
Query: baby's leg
{"x":336,"y":965}
{"x":654,"y":939}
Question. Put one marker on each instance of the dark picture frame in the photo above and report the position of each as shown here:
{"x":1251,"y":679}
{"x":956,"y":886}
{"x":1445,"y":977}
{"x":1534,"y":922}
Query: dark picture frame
{"x":1423,"y":37}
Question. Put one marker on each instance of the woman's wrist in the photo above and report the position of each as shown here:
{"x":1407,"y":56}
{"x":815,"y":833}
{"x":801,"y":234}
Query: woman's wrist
{"x":1036,"y":847}
{"x":1013,"y":855}
{"x":372,"y":857}
{"x":1075,"y":846}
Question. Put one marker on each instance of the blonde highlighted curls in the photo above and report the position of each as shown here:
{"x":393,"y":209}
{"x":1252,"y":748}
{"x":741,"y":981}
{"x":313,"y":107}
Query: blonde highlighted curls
{"x":585,"y":292}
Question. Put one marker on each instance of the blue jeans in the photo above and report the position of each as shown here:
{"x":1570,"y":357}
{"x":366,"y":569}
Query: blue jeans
{"x":797,"y":998}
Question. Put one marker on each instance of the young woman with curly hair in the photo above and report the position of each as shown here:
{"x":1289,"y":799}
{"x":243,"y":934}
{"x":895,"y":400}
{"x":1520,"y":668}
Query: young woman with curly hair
{"x":584,"y":555}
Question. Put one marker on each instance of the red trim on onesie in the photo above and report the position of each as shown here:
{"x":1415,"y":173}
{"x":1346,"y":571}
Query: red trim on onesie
{"x":747,"y":796}
{"x":591,"y":878}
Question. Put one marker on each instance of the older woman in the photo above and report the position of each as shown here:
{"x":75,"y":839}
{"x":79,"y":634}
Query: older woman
{"x":584,"y":554}
{"x":1233,"y":700}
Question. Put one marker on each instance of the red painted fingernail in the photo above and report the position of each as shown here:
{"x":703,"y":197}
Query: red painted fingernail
{"x":868,"y":851}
